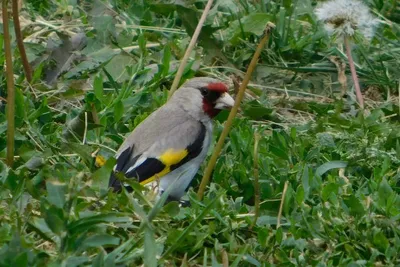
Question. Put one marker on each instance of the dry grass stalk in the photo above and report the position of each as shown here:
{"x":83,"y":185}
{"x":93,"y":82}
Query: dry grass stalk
{"x":189,"y":50}
{"x":10,"y":87}
{"x":228,"y":124}
{"x":341,"y":69}
{"x":285,"y":187}
{"x":20,"y":42}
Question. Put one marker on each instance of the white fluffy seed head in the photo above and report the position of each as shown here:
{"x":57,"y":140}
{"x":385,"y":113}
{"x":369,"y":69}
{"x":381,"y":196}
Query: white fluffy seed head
{"x":345,"y":17}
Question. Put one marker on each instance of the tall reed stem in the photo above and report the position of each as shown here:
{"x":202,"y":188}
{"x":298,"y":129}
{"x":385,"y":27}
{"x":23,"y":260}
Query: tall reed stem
{"x":10,"y":87}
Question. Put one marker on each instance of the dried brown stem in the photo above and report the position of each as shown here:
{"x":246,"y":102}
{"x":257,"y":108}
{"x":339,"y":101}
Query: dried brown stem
{"x":192,"y":43}
{"x":184,"y":261}
{"x":225,"y":258}
{"x":20,"y":42}
{"x":228,"y":124}
{"x":354,"y":72}
{"x":285,"y":187}
{"x":10,"y":87}
{"x":341,"y":69}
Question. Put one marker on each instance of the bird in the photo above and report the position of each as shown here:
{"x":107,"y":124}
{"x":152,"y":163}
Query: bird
{"x":173,"y":141}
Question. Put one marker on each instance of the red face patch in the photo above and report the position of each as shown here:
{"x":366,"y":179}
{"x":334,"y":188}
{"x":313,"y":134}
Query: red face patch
{"x":218,"y":87}
{"x":209,"y":109}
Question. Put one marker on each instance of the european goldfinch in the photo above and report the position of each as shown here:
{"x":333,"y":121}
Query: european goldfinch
{"x":174,"y":140}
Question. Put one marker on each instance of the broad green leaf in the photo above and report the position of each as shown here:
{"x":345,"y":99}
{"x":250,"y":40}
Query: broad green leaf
{"x":22,"y":259}
{"x":300,"y":195}
{"x":34,"y":163}
{"x":384,"y":192}
{"x":118,"y":111}
{"x":98,"y":261}
{"x":19,"y":104}
{"x":75,"y":261}
{"x":56,"y":193}
{"x":84,"y":224}
{"x":327,"y":190}
{"x":288,"y":203}
{"x":98,"y":87}
{"x":278,"y":151}
{"x":105,"y":28}
{"x":355,"y":206}
{"x":267,"y":220}
{"x":305,"y":180}
{"x":43,"y":108}
{"x":55,"y":219}
{"x":116,"y":69}
{"x":381,"y":241}
{"x":142,"y":44}
{"x":279,"y":146}
{"x":172,"y":208}
{"x":150,"y":251}
{"x":251,"y":260}
{"x":321,"y":170}
{"x":262,"y":236}
{"x":14,"y":253}
{"x":84,"y":151}
{"x":166,"y":60}
{"x":279,"y":235}
{"x":240,"y":255}
{"x":101,"y":177}
{"x":3,"y":172}
{"x":255,"y":111}
{"x":99,"y":240}
{"x":110,"y":258}
{"x":95,"y":59}
{"x":40,"y":226}
{"x":254,"y":23}
{"x":190,"y":19}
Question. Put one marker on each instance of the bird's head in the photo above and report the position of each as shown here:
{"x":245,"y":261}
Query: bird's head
{"x":205,"y":95}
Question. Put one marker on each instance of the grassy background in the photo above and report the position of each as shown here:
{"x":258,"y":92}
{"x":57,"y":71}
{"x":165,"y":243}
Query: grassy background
{"x":101,"y":67}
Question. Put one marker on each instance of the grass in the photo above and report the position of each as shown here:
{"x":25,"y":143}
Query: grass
{"x":328,"y":175}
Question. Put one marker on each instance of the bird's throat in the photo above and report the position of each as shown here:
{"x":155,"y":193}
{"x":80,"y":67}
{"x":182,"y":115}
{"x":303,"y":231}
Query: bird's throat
{"x":209,"y":109}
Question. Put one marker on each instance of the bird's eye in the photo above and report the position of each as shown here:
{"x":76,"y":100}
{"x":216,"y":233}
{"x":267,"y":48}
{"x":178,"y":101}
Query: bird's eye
{"x":204,"y":91}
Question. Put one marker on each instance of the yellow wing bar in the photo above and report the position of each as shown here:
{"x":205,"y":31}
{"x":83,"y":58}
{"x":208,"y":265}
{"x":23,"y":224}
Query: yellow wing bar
{"x":168,"y":158}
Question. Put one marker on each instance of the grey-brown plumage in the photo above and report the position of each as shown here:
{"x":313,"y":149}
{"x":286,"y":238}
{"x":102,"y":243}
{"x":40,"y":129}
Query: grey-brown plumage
{"x":173,"y":141}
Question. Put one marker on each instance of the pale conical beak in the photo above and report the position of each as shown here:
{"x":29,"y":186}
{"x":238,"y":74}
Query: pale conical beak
{"x":225,"y":101}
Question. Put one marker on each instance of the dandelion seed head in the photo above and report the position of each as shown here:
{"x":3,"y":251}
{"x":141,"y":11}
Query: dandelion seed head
{"x":345,"y":17}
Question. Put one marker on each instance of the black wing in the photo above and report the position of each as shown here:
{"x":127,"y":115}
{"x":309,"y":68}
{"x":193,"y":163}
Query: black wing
{"x":151,"y":166}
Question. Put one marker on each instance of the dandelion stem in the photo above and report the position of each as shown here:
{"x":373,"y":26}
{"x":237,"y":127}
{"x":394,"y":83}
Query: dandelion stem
{"x":353,"y":72}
